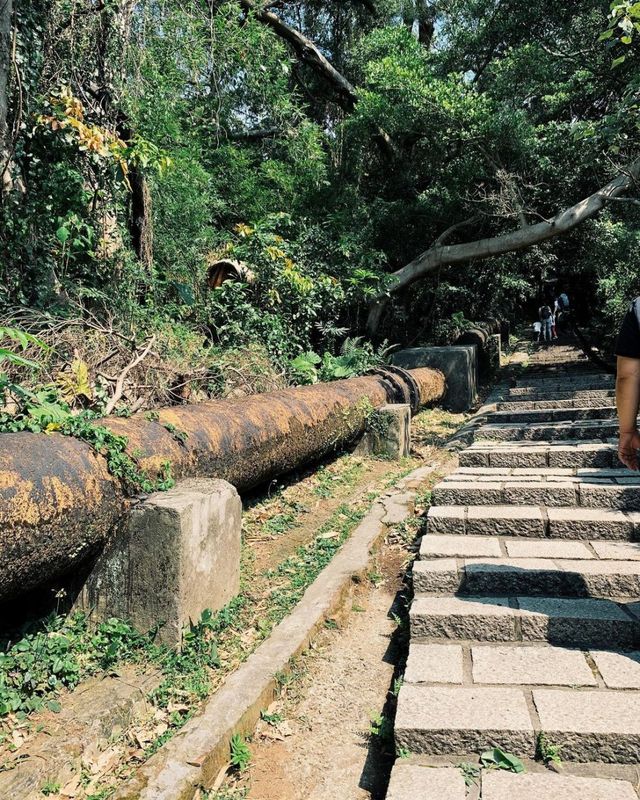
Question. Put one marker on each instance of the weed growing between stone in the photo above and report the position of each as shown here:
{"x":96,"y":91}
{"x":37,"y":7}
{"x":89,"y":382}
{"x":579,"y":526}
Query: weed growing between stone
{"x":547,"y":751}
{"x":496,"y":758}
{"x":240,"y":753}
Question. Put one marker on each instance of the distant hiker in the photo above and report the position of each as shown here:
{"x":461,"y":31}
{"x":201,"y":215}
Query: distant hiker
{"x":537,"y":332}
{"x":554,"y":332}
{"x":563,"y":309}
{"x":546,"y":315}
{"x":628,"y":386}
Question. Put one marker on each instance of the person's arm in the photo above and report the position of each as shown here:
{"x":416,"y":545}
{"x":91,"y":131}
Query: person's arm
{"x":628,"y":403}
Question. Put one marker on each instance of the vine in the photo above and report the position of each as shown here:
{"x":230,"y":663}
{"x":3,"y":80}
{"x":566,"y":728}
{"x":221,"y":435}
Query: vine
{"x":45,"y":410}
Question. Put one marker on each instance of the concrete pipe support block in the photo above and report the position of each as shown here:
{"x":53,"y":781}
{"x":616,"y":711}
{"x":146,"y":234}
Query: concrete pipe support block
{"x":179,"y":556}
{"x":388,"y":432}
{"x":458,"y":363}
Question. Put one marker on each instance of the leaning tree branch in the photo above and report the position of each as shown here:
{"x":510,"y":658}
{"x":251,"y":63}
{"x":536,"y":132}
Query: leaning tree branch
{"x":442,"y":255}
{"x":446,"y":235}
{"x":307,"y":51}
{"x":632,"y":200}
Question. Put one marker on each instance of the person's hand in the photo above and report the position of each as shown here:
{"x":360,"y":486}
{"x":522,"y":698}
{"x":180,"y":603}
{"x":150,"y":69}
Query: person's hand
{"x":628,"y":447}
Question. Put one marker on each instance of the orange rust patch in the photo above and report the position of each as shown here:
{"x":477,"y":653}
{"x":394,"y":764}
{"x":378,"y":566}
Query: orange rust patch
{"x":63,"y":497}
{"x":23,"y":508}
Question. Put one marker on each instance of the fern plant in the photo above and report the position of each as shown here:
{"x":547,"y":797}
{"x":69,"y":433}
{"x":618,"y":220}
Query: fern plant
{"x":356,"y":357}
{"x":23,"y":339}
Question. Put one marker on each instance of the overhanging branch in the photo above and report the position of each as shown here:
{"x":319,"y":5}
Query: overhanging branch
{"x":446,"y":255}
{"x":307,"y":51}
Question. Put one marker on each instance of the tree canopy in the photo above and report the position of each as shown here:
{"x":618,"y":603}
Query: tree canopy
{"x":397,"y":160}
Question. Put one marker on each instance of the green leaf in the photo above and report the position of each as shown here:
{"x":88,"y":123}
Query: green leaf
{"x":18,"y":361}
{"x":605,"y":35}
{"x":617,"y":61}
{"x":498,"y":759}
{"x":62,"y":234}
{"x":55,"y":706}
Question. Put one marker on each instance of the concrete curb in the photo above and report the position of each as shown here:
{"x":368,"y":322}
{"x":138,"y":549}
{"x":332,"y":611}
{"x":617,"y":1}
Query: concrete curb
{"x":195,"y":756}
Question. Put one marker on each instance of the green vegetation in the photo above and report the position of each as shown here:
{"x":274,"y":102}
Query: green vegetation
{"x":301,"y":568}
{"x":192,"y":202}
{"x":381,"y":726}
{"x":499,"y":759}
{"x":240,"y":753}
{"x":60,"y":651}
{"x":271,"y":719}
{"x":547,"y":751}
{"x":470,"y":773}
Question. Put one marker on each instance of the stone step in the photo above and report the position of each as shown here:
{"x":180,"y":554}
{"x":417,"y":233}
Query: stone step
{"x":414,"y":782}
{"x":527,"y":416}
{"x":618,"y":474}
{"x":470,"y":663}
{"x":547,"y":431}
{"x":591,"y":724}
{"x":560,"y":454}
{"x":528,"y":575}
{"x":566,"y":386}
{"x":559,"y":391}
{"x":500,"y":785}
{"x":534,"y":521}
{"x":621,"y":494}
{"x":571,"y":622}
{"x":417,"y":782}
{"x":453,"y":546}
{"x":540,"y":402}
{"x":533,"y":387}
{"x":567,"y":382}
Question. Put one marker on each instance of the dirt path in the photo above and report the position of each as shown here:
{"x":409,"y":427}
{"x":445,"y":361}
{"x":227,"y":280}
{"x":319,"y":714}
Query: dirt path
{"x":328,"y":752}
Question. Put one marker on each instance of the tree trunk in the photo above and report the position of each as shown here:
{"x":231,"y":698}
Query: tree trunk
{"x":443,"y":255}
{"x":6,"y":13}
{"x":420,"y":19}
{"x":140,"y":218}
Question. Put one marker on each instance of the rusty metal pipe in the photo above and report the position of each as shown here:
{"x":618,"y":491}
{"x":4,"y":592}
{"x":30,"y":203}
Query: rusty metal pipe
{"x":58,"y":502}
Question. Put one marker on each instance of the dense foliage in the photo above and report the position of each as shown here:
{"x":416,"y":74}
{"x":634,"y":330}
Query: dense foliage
{"x":142,"y":143}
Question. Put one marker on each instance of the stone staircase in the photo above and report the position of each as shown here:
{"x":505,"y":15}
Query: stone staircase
{"x":524,"y":619}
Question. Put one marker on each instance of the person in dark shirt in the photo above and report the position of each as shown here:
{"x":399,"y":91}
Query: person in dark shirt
{"x":628,"y":386}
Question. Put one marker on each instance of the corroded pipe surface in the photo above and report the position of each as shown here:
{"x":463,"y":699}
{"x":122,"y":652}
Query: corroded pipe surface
{"x":58,"y":503}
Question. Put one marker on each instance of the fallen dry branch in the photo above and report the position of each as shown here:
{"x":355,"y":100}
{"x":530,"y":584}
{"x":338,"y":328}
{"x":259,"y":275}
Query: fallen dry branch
{"x":119,"y":387}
